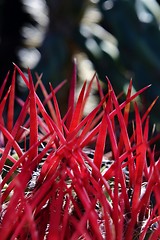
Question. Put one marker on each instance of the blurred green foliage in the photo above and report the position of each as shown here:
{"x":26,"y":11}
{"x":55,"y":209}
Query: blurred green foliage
{"x":119,"y":37}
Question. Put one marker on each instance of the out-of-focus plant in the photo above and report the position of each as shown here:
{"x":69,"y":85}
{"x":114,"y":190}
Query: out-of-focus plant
{"x":120,"y":37}
{"x":77,"y":177}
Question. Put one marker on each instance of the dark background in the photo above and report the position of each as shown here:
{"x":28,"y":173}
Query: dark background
{"x":118,"y":38}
